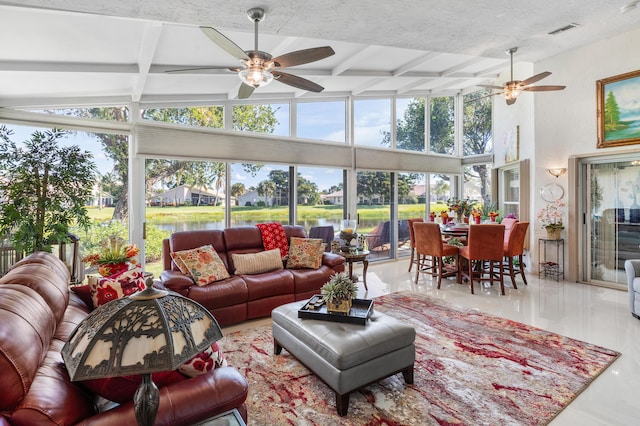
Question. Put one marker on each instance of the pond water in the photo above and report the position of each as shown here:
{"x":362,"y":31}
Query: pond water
{"x":193,"y":225}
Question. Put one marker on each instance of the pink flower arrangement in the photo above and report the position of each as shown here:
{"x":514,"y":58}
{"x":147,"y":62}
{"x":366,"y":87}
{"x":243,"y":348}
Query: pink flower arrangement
{"x":551,"y":216}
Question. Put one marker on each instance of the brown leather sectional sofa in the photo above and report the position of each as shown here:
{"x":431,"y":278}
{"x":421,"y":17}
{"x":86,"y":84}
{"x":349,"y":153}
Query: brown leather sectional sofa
{"x":37,"y":315}
{"x":242,"y":297}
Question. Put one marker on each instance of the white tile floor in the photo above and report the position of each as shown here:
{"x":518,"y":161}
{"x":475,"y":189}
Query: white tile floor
{"x":592,"y":314}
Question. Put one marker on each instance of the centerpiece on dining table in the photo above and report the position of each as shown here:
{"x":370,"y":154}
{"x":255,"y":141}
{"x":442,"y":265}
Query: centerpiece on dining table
{"x":115,"y":256}
{"x":461,"y":208}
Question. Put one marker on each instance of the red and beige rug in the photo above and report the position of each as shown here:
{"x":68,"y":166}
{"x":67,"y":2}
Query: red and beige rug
{"x":471,"y":368}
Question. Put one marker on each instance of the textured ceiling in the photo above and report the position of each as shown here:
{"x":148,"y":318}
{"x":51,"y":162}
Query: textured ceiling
{"x":117,"y":51}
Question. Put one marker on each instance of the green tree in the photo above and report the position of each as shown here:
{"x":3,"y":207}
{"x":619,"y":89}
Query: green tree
{"x":477,"y":136}
{"x":266,"y":188}
{"x":410,"y":128}
{"x":237,"y":189}
{"x":611,"y":111}
{"x":45,"y":188}
{"x":307,"y":192}
{"x":441,"y":125}
{"x":280,"y":178}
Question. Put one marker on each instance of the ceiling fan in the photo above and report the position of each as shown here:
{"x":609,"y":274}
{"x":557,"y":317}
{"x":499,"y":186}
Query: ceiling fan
{"x":513,"y":88}
{"x":257,"y":68}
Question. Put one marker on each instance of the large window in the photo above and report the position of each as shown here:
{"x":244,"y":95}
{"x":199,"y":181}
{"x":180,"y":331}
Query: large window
{"x":262,"y":118}
{"x":372,"y":122}
{"x":412,"y":195}
{"x":375,"y":202}
{"x":410,"y":121}
{"x":320,"y":197}
{"x":477,"y":183}
{"x":261,"y":193}
{"x":477,"y":121}
{"x":193,"y":116}
{"x":442,"y":125}
{"x":324,"y":121}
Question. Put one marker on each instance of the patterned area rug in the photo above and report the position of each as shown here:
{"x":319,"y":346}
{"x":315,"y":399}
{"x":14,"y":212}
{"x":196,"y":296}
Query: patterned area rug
{"x":471,"y":368}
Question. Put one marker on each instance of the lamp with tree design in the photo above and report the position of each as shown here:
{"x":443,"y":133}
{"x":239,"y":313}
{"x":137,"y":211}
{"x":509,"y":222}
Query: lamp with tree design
{"x":150,"y":331}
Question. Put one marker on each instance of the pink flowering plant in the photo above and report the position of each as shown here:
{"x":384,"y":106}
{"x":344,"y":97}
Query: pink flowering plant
{"x":551,"y":216}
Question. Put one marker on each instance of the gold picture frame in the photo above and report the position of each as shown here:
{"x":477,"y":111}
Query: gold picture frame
{"x":618,"y":120}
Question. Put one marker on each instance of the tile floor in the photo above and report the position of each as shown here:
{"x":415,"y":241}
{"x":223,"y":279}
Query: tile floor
{"x":589,"y":313}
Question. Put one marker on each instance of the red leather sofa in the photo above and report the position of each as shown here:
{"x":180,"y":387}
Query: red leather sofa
{"x":37,"y":315}
{"x":242,"y":297}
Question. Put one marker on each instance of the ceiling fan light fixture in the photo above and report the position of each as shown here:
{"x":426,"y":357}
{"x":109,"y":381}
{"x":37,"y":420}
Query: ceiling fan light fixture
{"x":255,"y":76}
{"x":512,"y":91}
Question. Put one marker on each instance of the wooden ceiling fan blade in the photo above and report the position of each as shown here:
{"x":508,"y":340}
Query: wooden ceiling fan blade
{"x":304,"y":56}
{"x":226,"y":44}
{"x":245,"y":91}
{"x":535,"y":78}
{"x":298,"y":82}
{"x":543,"y":88}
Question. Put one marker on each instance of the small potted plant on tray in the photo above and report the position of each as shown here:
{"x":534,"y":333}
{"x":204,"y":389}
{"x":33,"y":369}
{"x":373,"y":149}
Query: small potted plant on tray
{"x":338,"y":292}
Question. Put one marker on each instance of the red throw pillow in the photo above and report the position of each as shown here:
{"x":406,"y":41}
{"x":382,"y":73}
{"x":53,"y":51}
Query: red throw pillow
{"x":122,"y":389}
{"x":273,"y":236}
{"x":84,"y":293}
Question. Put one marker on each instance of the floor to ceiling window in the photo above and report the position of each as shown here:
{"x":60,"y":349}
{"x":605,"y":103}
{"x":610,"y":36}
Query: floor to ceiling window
{"x":320,"y":197}
{"x":375,"y":205}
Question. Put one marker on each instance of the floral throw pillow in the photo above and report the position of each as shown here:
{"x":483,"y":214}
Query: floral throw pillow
{"x":116,"y":286}
{"x":305,"y":253}
{"x":202,"y":264}
{"x":205,"y":361}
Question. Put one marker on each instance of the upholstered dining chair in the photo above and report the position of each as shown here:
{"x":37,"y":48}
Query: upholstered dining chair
{"x":514,"y":247}
{"x":485,"y":244}
{"x":508,"y":223}
{"x":412,"y":241}
{"x":431,"y":251}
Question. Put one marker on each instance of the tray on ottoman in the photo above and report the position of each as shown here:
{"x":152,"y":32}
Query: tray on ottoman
{"x":360,"y":311}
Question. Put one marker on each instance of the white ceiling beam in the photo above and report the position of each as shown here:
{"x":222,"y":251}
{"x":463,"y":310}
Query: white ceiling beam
{"x":355,"y":58}
{"x":406,"y":88}
{"x":416,"y":62}
{"x":46,"y":66}
{"x":461,"y":66}
{"x":147,"y":51}
{"x":367,"y":86}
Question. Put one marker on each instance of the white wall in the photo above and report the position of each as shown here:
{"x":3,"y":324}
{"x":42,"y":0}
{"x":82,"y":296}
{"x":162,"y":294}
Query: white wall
{"x":564,"y":123}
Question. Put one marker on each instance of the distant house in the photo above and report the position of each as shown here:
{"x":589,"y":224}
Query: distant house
{"x":185,"y":194}
{"x":251,"y":198}
{"x":419,"y":191}
{"x":336,"y":198}
{"x":101,"y":199}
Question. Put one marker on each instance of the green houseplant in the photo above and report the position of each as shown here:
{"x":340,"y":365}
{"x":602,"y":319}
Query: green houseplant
{"x":338,"y":293}
{"x":44,"y":188}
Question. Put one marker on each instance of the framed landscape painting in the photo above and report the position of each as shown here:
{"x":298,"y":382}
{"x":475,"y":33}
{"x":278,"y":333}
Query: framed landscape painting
{"x":618,"y":110}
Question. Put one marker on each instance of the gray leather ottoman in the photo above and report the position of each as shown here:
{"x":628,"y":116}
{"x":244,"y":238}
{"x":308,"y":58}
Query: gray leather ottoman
{"x":346,"y":356}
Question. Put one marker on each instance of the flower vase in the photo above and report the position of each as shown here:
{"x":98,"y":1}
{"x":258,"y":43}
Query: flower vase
{"x":492,"y":218}
{"x":108,"y":269}
{"x":342,"y":306}
{"x":458,"y":217}
{"x":553,"y":233}
{"x":466,"y":219}
{"x":476,"y":219}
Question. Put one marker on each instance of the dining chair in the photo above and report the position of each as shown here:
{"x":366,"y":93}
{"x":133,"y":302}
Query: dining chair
{"x":508,"y":223}
{"x":412,"y":241}
{"x":485,"y":244}
{"x":515,"y":247}
{"x":431,"y":251}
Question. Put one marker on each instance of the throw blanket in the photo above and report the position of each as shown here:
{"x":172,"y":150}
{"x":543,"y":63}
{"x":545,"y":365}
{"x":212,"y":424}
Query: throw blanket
{"x":273,"y":236}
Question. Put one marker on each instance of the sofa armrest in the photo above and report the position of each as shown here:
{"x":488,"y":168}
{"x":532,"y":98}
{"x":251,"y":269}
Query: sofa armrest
{"x":332,"y":260}
{"x":176,"y":281}
{"x":188,"y":402}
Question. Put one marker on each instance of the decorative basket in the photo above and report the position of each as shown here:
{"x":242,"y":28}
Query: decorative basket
{"x":343,"y":306}
{"x":554,"y":234}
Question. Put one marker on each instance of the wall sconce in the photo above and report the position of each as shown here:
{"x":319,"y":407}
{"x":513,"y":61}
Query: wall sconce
{"x":557,"y":172}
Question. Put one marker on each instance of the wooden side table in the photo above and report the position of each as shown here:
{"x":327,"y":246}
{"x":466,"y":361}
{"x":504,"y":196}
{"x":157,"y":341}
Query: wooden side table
{"x":357,"y":256}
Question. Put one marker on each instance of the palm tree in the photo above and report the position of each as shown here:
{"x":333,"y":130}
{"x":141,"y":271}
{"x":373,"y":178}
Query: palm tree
{"x":266,"y":188}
